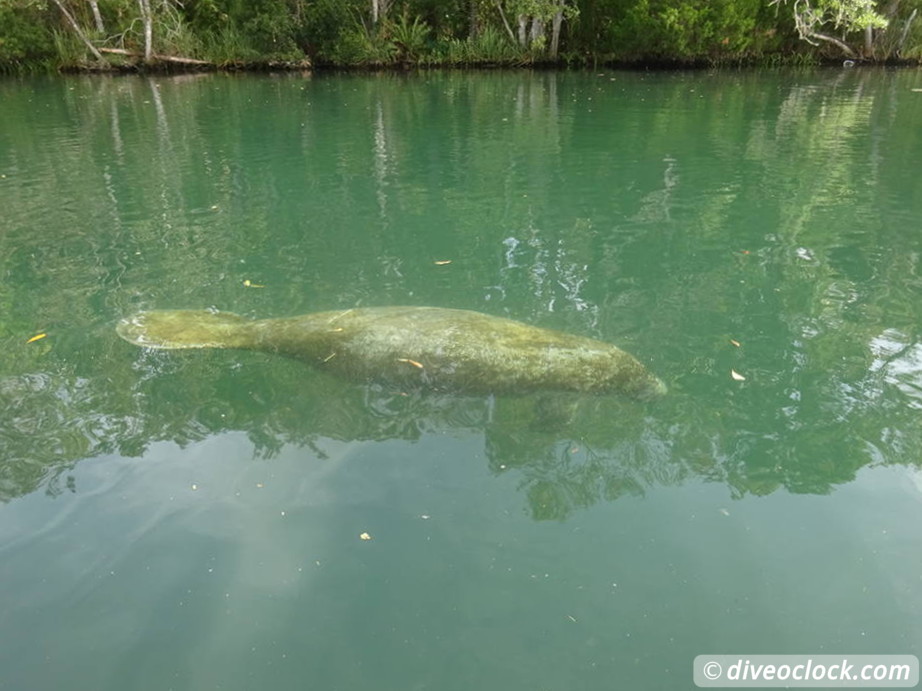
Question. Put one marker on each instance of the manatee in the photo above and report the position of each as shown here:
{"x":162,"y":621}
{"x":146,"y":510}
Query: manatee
{"x":435,"y":348}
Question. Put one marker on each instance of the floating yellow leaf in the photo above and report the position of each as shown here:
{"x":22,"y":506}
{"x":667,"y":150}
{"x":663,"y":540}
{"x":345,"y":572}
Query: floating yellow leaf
{"x":442,"y":262}
{"x":734,"y":342}
{"x":364,"y":536}
{"x":37,"y":337}
{"x":736,"y":375}
{"x":410,"y":362}
{"x":249,"y":284}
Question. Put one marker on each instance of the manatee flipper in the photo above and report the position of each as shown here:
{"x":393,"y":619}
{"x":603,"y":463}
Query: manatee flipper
{"x":175,"y":329}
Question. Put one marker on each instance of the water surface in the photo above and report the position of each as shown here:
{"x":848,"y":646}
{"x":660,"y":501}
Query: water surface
{"x":192,"y":520}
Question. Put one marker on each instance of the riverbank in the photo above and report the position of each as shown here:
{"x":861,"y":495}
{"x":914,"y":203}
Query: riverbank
{"x":123,"y":36}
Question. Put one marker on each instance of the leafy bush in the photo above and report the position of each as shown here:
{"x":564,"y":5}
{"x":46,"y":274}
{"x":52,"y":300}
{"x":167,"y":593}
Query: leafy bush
{"x":489,"y":47}
{"x":228,"y":46}
{"x":363,"y":48}
{"x":410,"y":38}
{"x":25,"y":37}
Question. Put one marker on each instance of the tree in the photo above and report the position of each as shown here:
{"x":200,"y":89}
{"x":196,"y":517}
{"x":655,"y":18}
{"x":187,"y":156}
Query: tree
{"x":379,"y":9}
{"x":147,"y":20}
{"x":532,"y":16}
{"x":845,"y":16}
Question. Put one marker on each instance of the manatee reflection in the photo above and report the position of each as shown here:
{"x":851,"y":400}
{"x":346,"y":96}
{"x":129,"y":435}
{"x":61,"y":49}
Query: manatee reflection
{"x":568,"y":451}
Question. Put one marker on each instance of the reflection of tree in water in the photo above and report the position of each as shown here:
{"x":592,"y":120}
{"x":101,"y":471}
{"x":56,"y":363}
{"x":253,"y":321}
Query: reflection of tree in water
{"x":831,"y":346}
{"x":569,"y":452}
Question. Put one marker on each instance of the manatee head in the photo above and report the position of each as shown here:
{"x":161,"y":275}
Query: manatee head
{"x":648,"y":388}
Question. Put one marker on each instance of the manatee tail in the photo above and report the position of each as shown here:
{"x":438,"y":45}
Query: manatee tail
{"x":186,"y":329}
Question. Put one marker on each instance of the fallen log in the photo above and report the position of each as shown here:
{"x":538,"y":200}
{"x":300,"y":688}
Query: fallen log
{"x":162,"y":58}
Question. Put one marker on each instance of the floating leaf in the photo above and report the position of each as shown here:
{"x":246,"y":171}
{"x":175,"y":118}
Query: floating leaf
{"x":410,"y":362}
{"x":734,"y":342}
{"x":364,"y":536}
{"x":249,"y":284}
{"x":37,"y":337}
{"x":442,"y":262}
{"x":736,"y":375}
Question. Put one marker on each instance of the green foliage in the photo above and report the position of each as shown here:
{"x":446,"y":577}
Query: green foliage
{"x":686,"y":30}
{"x":26,"y":37}
{"x":460,"y":32}
{"x":68,"y":49}
{"x":271,"y":30}
{"x":902,"y":37}
{"x":489,"y":47}
{"x":363,"y":47}
{"x":829,"y":22}
{"x":228,"y":46}
{"x":323,"y":25}
{"x":410,"y":38}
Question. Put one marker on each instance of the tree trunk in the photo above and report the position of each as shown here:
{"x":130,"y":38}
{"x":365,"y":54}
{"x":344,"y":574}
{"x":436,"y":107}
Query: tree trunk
{"x":78,"y":31}
{"x":899,"y":47}
{"x":844,"y":47}
{"x":97,"y":17}
{"x":868,"y":41}
{"x":505,"y":21}
{"x":537,"y":30}
{"x":148,"y":23}
{"x":555,"y":34}
{"x":379,"y":10}
{"x":523,"y":28}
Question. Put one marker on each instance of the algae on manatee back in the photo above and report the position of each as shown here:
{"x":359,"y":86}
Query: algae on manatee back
{"x":430,"y":347}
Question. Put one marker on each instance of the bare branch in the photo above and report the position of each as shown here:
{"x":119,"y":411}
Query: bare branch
{"x":502,"y":14}
{"x":905,"y":33}
{"x":78,"y":30}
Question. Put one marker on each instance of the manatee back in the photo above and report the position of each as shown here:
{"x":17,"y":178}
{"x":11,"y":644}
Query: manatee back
{"x":471,"y":352}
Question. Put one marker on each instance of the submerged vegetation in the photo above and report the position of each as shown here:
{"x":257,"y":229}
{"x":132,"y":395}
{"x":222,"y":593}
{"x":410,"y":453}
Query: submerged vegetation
{"x":132,"y":34}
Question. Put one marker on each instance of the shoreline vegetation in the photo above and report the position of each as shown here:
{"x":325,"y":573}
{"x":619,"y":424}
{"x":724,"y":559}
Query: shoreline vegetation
{"x":183,"y":35}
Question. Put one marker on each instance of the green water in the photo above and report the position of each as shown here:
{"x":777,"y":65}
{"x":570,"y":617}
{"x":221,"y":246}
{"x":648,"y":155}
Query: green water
{"x":192,"y":520}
